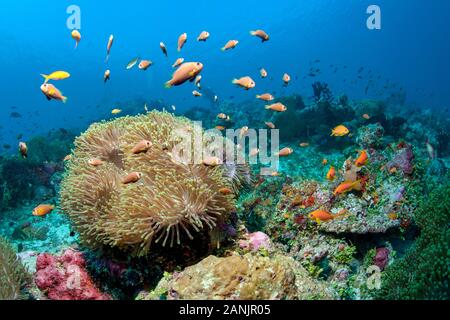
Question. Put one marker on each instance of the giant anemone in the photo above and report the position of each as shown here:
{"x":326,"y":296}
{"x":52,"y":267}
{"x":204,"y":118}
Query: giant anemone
{"x":172,"y":202}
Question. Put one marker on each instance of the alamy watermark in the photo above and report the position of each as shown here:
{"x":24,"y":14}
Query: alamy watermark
{"x":374,"y":20}
{"x":73,"y":22}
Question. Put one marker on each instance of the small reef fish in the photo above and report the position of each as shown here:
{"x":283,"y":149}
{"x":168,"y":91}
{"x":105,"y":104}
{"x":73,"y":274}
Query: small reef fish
{"x":132,"y":178}
{"x":187,"y":71}
{"x":51,"y":92}
{"x":116,"y":111}
{"x":195,"y":93}
{"x":230,"y":45}
{"x":76,"y":35}
{"x":174,"y":108}
{"x":225,"y":191}
{"x":347,"y":186}
{"x":216,"y":98}
{"x":163,"y":48}
{"x":182,"y":41}
{"x":141,"y":147}
{"x":197,"y":80}
{"x":212,"y":161}
{"x":95,"y":162}
{"x":144,"y":64}
{"x":331,"y":174}
{"x":222,"y":116}
{"x":107,"y":75}
{"x":304,"y":144}
{"x":340,"y":131}
{"x":263,"y":73}
{"x":270,"y":125}
{"x":392,"y":216}
{"x":275,"y":174}
{"x":57,"y":75}
{"x":221,"y":128}
{"x":108,"y":47}
{"x":67,"y":158}
{"x":254,"y":152}
{"x":322,"y":216}
{"x":362,"y":159}
{"x":430,"y":150}
{"x":324,"y":161}
{"x":243,"y":132}
{"x":178,"y":62}
{"x":279,"y":107}
{"x":366,"y":116}
{"x":204,"y":35}
{"x":42,"y":210}
{"x":285,"y":152}
{"x":23,"y":150}
{"x":265,"y":97}
{"x":286,"y":79}
{"x":245,"y":82}
{"x":260,"y":34}
{"x":132,"y":63}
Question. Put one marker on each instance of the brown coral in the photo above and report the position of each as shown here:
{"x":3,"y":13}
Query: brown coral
{"x":172,"y":200}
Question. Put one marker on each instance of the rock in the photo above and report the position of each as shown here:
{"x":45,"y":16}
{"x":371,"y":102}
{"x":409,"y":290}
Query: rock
{"x":65,"y":277}
{"x":247,"y":277}
{"x":381,"y":258}
{"x":403,"y":160}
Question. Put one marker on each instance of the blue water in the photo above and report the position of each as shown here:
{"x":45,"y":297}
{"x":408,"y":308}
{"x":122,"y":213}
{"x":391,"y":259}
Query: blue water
{"x":411,"y":50}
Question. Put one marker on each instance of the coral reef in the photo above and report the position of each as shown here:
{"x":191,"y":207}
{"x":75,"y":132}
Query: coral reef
{"x":171,"y":199}
{"x":240,"y":277}
{"x":65,"y":278}
{"x":13,"y":276}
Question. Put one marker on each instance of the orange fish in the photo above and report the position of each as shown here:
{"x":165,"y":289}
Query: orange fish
{"x":285,"y":152}
{"x":347,"y":186}
{"x":279,"y":107}
{"x":95,"y":162}
{"x":362,"y":159}
{"x":263,"y":73}
{"x":51,"y":92}
{"x":163,"y":48}
{"x":243,"y":132}
{"x":76,"y":35}
{"x":275,"y":174}
{"x":260,"y":34}
{"x":204,"y":35}
{"x":331,"y":174}
{"x":230,"y":45}
{"x":366,"y":116}
{"x":221,"y":128}
{"x":304,"y":144}
{"x":270,"y":125}
{"x":144,"y":64}
{"x":132,"y":178}
{"x":340,"y":131}
{"x":178,"y":62}
{"x":324,"y":161}
{"x":108,"y":47}
{"x":286,"y":79}
{"x":67,"y":158}
{"x":187,"y":71}
{"x":265,"y":97}
{"x":107,"y":75}
{"x":222,"y":116}
{"x":244,"y":82}
{"x":181,"y":41}
{"x":225,"y":191}
{"x":254,"y":152}
{"x":43,"y":210}
{"x":195,"y":93}
{"x":392,"y":170}
{"x":141,"y":147}
{"x":321,"y":215}
{"x":23,"y":150}
{"x":212,"y":161}
{"x":392,"y":216}
{"x":197,"y":80}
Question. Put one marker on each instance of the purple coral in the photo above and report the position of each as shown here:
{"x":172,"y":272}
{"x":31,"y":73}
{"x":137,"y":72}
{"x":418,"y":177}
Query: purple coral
{"x":255,"y":241}
{"x":403,"y":161}
{"x":381,"y":258}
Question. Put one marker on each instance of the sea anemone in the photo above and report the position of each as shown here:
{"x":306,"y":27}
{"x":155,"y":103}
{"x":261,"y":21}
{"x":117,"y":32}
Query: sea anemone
{"x":172,"y":200}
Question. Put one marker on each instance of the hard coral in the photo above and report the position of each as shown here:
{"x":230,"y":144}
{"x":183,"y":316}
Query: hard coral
{"x":13,"y":276}
{"x":172,"y":199}
{"x":65,"y":277}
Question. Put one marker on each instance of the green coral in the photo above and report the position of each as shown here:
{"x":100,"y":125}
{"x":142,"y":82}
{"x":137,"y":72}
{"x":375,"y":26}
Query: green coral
{"x":423,"y":272}
{"x":13,"y":275}
{"x":346,"y":255}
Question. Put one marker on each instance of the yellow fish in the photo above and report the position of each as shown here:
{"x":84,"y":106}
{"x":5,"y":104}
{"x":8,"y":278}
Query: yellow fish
{"x":116,"y":111}
{"x":340,"y":131}
{"x":57,"y":75}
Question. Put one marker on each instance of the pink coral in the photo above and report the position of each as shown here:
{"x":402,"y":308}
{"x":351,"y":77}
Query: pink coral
{"x":65,"y":277}
{"x":381,"y":258}
{"x":255,"y":241}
